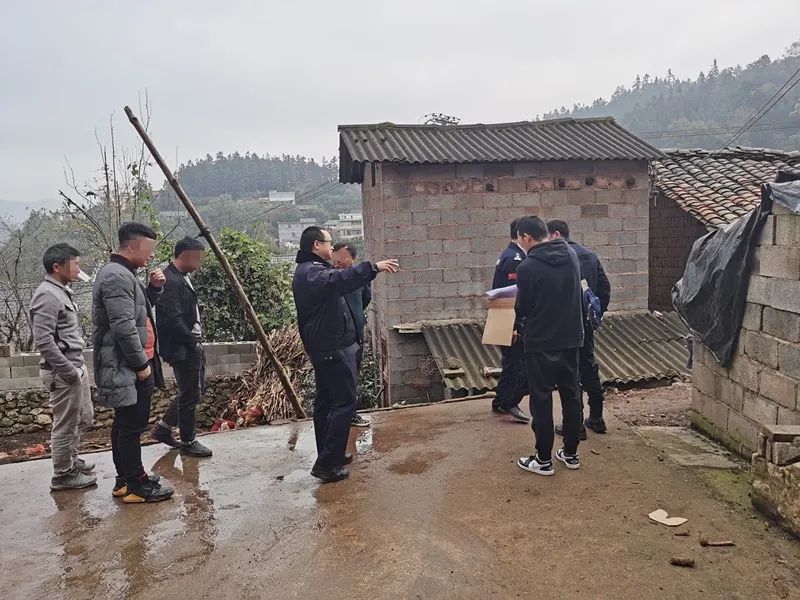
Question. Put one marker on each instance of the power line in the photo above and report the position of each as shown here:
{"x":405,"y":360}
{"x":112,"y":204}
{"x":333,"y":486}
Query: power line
{"x":679,"y":133}
{"x":768,"y":105}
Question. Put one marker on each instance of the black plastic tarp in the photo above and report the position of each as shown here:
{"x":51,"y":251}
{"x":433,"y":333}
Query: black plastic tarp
{"x":711,"y":296}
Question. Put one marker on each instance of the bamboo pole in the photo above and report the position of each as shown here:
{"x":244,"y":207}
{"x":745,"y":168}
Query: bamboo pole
{"x":226,"y":265}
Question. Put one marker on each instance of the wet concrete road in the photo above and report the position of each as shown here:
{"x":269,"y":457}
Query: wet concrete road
{"x":435,"y":508}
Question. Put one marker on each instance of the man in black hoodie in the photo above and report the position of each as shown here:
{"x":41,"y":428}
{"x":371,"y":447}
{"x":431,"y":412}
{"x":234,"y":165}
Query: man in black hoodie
{"x":550,"y":319}
{"x":329,"y":337}
{"x":597,"y":280}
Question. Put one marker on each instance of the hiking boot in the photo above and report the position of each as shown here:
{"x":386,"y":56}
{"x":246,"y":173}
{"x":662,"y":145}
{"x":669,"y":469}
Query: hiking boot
{"x":517,"y":415}
{"x":148,"y":492}
{"x":164,"y":435}
{"x":532,"y":464}
{"x":195,"y":448}
{"x":571,"y":461}
{"x":359,"y":421}
{"x":81,"y":465}
{"x":121,"y":488}
{"x":72,"y":480}
{"x":559,"y":429}
{"x":330,"y":475}
{"x":596,"y":424}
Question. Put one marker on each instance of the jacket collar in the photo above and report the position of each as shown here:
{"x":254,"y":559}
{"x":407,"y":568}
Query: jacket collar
{"x":121,"y":260}
{"x":57,"y":283}
{"x":304,"y":256}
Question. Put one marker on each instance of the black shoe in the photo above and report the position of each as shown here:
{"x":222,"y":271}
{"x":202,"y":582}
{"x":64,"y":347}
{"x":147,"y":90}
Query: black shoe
{"x":330,"y":475}
{"x":161,"y":434}
{"x":518,"y":415}
{"x":348,"y":458}
{"x":148,"y":492}
{"x":197,"y":449}
{"x":596,"y":424}
{"x":559,"y":429}
{"x":496,"y":409}
{"x":120,"y":489}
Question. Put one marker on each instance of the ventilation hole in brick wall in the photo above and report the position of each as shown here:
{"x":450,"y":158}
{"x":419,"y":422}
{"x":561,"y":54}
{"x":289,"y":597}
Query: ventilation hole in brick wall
{"x":562,"y":183}
{"x":630,"y":181}
{"x":590,"y":180}
{"x":489,"y":187}
{"x":448,"y":187}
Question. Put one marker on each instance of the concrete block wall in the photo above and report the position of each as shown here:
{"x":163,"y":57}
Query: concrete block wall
{"x":448,"y":223}
{"x":761,"y":386}
{"x":672,"y":233}
{"x":21,"y":371}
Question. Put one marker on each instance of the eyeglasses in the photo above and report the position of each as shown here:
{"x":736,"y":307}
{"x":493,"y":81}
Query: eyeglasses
{"x":325,"y":241}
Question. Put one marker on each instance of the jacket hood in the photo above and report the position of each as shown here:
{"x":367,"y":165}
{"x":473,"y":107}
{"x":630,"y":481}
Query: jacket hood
{"x":305,"y":256}
{"x":554,"y":253}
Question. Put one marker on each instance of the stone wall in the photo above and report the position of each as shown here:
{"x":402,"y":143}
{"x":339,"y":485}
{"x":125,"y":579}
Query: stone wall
{"x":761,"y":386}
{"x":24,"y":404}
{"x":672,"y":233}
{"x":448,"y":223}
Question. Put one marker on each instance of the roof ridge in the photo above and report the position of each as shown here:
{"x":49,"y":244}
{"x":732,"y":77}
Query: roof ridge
{"x":510,"y":124}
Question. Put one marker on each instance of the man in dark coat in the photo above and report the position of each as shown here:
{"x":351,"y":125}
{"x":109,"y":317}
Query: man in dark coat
{"x":344,"y":256}
{"x":549,"y":310}
{"x":126,"y":363}
{"x":594,"y":275}
{"x":513,"y":383}
{"x":181,"y":334}
{"x":330,"y":339}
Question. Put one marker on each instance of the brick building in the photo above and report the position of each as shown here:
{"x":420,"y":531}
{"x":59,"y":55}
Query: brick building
{"x":440,"y":198}
{"x":694,"y":192}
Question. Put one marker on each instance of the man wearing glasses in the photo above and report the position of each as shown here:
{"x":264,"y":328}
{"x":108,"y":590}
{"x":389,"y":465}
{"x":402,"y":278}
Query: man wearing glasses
{"x":330,"y":339}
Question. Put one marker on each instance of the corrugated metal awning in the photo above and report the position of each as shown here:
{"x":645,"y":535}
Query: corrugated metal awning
{"x":630,"y":348}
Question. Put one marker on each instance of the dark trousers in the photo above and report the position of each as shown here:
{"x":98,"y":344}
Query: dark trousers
{"x":335,"y":405}
{"x":513,"y":384}
{"x":126,"y":433}
{"x":548,"y":371}
{"x":189,"y":376}
{"x":590,"y":376}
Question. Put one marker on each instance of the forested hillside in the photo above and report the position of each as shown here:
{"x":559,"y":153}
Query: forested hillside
{"x":707,"y":111}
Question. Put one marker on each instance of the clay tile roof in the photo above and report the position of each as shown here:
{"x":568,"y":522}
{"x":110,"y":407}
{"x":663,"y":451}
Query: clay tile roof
{"x":718,"y":187}
{"x":535,"y":141}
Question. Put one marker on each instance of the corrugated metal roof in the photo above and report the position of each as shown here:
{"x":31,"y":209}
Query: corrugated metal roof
{"x":630,"y":348}
{"x":558,"y":139}
{"x":718,"y":187}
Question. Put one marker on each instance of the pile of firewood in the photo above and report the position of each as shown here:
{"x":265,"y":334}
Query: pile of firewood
{"x":260,"y":397}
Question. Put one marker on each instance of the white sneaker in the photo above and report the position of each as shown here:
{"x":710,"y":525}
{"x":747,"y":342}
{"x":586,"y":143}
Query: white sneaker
{"x":571,"y":461}
{"x":532,"y":464}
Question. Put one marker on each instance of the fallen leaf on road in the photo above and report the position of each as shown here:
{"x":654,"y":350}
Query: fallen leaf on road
{"x":682,"y":562}
{"x":36,"y":450}
{"x":661,"y":516}
{"x":593,"y":451}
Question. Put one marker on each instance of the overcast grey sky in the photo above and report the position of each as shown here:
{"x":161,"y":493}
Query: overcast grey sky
{"x":278,"y":77}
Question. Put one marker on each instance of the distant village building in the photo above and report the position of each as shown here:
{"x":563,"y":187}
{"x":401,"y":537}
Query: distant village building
{"x":440,"y":199}
{"x":696,"y":191}
{"x":289,"y":233}
{"x":281,"y":197}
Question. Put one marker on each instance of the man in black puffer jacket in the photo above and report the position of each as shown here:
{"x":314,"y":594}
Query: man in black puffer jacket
{"x":592,"y":271}
{"x":550,"y":318}
{"x":329,"y":336}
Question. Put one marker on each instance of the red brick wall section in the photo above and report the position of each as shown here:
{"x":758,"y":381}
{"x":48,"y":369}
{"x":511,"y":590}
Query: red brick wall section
{"x":672,"y":233}
{"x":762,"y":384}
{"x":448,"y":223}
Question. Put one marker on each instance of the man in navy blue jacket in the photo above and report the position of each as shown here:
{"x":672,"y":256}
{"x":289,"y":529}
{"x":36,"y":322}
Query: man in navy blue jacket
{"x":330,"y":339}
{"x":513,"y":384}
{"x":594,"y":275}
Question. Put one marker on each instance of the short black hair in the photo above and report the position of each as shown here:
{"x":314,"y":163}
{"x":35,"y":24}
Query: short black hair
{"x":532,"y":226}
{"x":513,"y":229}
{"x":559,"y":226}
{"x":351,"y":249}
{"x":58,"y":254}
{"x":134,"y":231}
{"x":310,"y":235}
{"x":187,"y":244}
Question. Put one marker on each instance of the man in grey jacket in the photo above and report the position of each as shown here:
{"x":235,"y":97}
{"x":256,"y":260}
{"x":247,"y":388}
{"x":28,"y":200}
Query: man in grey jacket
{"x":57,"y":336}
{"x":126,"y":364}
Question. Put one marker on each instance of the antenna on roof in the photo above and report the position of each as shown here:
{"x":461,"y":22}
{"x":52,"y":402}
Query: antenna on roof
{"x":439,"y":119}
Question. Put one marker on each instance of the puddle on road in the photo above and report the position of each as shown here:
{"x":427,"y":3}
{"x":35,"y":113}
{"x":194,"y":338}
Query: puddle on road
{"x":417,"y":463}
